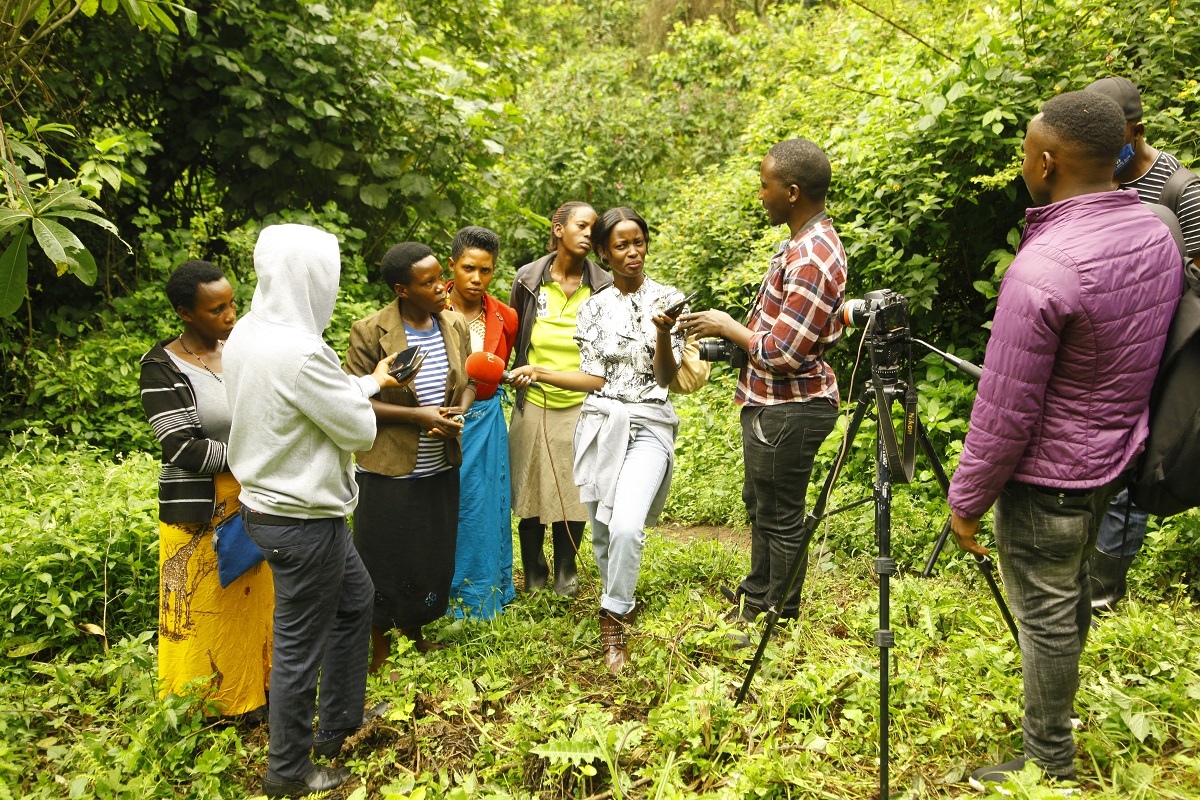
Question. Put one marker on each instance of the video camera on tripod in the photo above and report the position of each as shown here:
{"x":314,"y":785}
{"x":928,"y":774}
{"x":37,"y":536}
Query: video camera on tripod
{"x":882,"y":315}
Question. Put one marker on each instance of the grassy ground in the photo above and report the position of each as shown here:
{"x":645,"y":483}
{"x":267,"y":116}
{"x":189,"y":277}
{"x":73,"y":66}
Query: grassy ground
{"x":522,"y":706}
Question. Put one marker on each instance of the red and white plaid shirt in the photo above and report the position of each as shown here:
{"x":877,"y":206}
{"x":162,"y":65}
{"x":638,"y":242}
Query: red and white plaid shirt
{"x":793,"y":321}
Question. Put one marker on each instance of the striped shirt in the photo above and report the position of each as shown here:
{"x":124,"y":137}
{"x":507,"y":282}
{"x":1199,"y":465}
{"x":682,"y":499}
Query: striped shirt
{"x":189,"y":458}
{"x":1150,"y":186}
{"x":793,"y":321}
{"x":430,"y":388}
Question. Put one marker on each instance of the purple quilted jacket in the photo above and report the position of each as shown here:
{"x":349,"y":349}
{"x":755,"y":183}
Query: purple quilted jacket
{"x":1080,"y":326}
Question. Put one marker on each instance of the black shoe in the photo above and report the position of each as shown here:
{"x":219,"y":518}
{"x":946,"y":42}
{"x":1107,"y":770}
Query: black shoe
{"x":982,"y":777}
{"x":328,"y":744}
{"x":567,"y":538}
{"x":321,"y":779}
{"x":532,"y":535}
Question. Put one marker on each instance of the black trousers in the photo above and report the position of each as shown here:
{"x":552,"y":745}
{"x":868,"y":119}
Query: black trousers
{"x":779,"y":444}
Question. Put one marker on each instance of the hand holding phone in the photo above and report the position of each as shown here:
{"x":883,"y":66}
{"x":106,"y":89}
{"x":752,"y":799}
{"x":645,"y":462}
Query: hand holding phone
{"x":675,"y":310}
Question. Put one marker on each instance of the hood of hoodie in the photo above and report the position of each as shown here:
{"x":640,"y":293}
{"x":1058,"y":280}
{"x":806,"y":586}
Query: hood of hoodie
{"x":298,"y":268}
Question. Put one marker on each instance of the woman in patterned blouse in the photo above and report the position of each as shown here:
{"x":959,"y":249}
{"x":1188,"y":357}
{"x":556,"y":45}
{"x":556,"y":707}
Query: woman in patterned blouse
{"x":624,"y":443}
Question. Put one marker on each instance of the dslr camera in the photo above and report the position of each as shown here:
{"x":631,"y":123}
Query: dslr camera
{"x":722,"y":350}
{"x":883,"y":316}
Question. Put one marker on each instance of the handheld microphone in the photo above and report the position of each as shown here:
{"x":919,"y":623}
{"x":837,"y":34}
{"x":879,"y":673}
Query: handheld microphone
{"x":488,"y":368}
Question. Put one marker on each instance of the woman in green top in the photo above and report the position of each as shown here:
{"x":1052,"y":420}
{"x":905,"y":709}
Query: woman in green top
{"x":546,"y":295}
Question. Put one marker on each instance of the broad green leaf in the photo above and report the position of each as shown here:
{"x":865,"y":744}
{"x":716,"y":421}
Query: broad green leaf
{"x":323,"y":108}
{"x":27,"y":649}
{"x":14,"y":274}
{"x":374,"y":195}
{"x":1139,"y":724}
{"x":10,"y":217}
{"x":87,"y":216}
{"x":938,"y":105}
{"x":85,"y":266}
{"x":415,"y":183}
{"x":325,"y":155}
{"x":258,"y":155}
{"x":54,"y":249}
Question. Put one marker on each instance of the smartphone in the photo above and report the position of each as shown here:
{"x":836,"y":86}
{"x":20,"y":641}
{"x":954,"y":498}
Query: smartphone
{"x":674,"y":311}
{"x":406,"y":363}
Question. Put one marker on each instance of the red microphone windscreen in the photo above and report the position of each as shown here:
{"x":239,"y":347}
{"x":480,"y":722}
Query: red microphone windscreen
{"x":485,"y":367}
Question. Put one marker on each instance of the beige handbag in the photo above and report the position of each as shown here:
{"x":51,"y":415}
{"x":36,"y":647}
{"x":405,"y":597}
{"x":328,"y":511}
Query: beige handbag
{"x":693,"y":373}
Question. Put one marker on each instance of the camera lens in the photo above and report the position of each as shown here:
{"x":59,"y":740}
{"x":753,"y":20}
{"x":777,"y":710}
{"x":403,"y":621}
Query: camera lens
{"x":855,"y":313}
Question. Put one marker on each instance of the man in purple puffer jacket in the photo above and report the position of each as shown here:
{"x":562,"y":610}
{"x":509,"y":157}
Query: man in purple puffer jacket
{"x":1062,"y":408}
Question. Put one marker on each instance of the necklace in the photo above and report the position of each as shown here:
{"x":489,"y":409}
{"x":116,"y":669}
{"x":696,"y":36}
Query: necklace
{"x":201,"y":360}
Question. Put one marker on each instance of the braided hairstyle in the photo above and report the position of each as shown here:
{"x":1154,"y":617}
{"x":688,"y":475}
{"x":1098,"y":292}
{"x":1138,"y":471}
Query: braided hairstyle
{"x":561,"y":217}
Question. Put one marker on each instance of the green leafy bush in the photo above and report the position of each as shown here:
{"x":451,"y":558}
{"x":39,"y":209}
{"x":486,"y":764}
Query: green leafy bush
{"x":78,"y":549}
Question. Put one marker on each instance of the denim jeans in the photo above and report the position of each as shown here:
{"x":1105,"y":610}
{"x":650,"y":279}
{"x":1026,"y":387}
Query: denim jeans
{"x":779,"y":444}
{"x":618,"y":544}
{"x":1044,"y":540}
{"x":1118,"y":538}
{"x":323,"y":598}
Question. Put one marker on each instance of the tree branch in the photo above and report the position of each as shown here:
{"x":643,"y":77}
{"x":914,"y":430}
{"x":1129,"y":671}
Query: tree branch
{"x":900,"y":28}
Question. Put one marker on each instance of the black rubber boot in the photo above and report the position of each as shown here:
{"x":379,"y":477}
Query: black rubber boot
{"x":1108,"y":580}
{"x":533,"y":561}
{"x":567,"y":538}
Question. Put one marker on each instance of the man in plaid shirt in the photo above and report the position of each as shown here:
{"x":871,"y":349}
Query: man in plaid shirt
{"x":788,"y":394}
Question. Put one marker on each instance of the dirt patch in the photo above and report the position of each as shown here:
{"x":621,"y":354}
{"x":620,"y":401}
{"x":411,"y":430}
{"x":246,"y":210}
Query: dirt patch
{"x":738,"y":537}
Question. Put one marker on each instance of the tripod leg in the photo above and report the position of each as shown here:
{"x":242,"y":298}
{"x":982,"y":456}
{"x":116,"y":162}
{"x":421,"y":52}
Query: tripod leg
{"x":810,"y":525}
{"x":885,"y":568}
{"x":986,"y":567}
{"x":989,"y":574}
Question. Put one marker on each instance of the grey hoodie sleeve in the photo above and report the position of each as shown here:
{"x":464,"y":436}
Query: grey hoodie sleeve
{"x":335,"y":402}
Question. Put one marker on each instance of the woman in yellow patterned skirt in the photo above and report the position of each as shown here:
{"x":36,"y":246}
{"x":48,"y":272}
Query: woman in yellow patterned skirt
{"x":212,"y":641}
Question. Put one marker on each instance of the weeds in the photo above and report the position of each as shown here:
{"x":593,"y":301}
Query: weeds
{"x":522,"y":706}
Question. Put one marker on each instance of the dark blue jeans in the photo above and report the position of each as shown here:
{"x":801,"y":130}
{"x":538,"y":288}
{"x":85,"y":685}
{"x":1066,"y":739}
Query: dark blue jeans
{"x":779,"y":444}
{"x":1123,"y":529}
{"x":1044,"y":539}
{"x":323,"y":598}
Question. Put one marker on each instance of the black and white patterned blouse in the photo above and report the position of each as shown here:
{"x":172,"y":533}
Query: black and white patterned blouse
{"x":616,"y":337}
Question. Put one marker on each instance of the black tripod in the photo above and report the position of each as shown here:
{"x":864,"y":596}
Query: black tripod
{"x":889,"y":350}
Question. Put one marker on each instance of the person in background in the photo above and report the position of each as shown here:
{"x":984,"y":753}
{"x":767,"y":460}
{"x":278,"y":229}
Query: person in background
{"x":1063,"y":403}
{"x":406,"y":525}
{"x":297,"y":418}
{"x":483,"y":581}
{"x":546,"y":295}
{"x":625,"y":441}
{"x":203,"y":629}
{"x":1147,"y":171}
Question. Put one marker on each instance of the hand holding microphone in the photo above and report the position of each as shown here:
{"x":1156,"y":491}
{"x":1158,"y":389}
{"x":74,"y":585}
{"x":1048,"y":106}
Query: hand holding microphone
{"x":489,"y":369}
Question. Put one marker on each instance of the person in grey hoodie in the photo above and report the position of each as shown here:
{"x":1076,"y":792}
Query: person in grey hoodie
{"x":297,"y":420}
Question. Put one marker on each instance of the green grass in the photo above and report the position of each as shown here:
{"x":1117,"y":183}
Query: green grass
{"x":523,"y":707}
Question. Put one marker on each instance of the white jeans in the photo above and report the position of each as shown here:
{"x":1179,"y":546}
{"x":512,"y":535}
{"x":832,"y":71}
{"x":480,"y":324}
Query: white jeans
{"x":618,"y":544}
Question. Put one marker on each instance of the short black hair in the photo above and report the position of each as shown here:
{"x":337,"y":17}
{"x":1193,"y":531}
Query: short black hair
{"x":800,"y":162}
{"x":396,"y":266}
{"x":187,"y":278}
{"x":1091,"y":122}
{"x":561,"y":217}
{"x":602,"y":228}
{"x":473,"y":236}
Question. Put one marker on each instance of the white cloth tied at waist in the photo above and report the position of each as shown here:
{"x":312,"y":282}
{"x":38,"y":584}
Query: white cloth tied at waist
{"x":602,"y":437}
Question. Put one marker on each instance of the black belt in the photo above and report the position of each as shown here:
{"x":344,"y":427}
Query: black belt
{"x":1054,"y":491}
{"x":252,"y":517}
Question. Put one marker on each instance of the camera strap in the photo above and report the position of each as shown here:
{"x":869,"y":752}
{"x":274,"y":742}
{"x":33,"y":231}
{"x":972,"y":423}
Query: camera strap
{"x":901,"y":470}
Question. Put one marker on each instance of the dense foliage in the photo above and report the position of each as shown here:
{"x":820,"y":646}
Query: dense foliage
{"x":131,"y":143}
